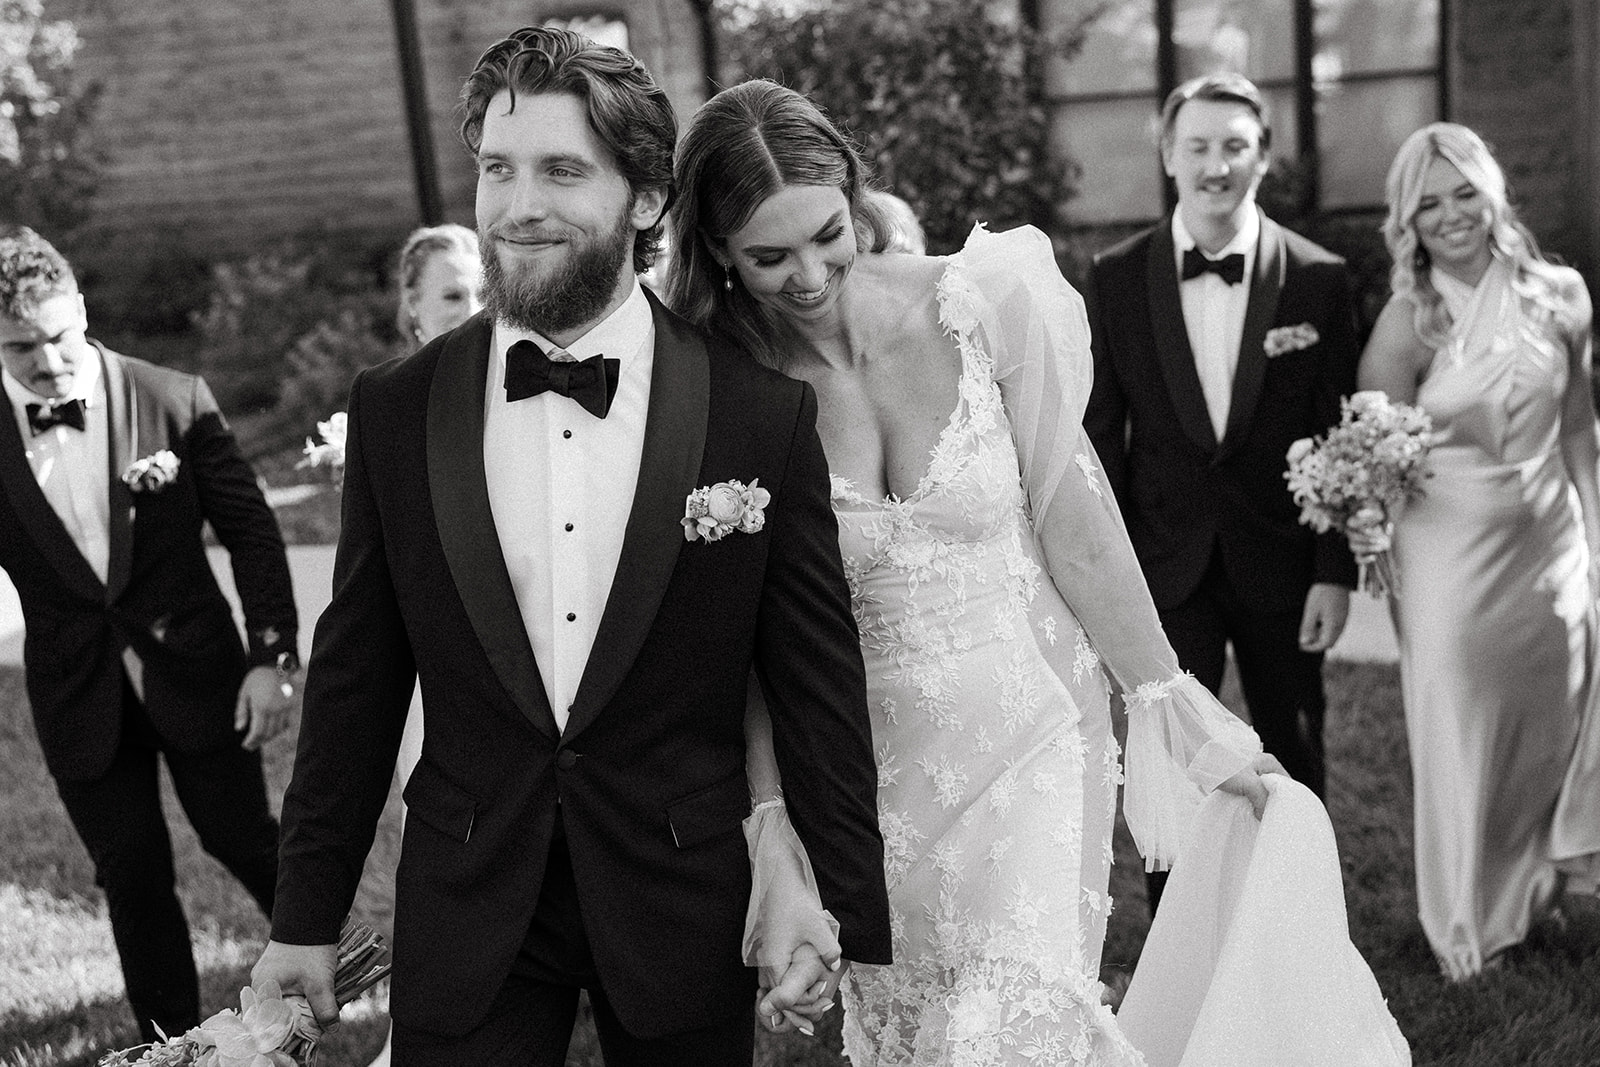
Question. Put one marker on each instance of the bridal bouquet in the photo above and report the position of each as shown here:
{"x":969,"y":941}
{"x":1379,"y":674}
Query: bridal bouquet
{"x":269,"y":1029}
{"x":1356,"y":476}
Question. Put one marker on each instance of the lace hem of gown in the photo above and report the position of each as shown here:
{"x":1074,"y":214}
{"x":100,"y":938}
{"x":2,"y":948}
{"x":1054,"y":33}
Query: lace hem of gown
{"x":989,"y":1011}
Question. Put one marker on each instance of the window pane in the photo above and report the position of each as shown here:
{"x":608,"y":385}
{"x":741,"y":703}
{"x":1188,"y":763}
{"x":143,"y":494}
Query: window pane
{"x":1119,"y":46}
{"x":1361,"y":125}
{"x":1285,"y":122}
{"x":1114,"y":144}
{"x":1355,"y":36}
{"x":1253,"y":37}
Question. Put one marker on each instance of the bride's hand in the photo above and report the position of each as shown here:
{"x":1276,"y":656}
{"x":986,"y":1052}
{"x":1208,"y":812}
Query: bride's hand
{"x":1248,"y":784}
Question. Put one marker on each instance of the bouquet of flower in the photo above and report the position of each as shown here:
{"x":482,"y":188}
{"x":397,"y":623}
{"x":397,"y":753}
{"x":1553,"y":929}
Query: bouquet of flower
{"x":269,"y":1029}
{"x":1356,"y":476}
{"x":330,"y":453}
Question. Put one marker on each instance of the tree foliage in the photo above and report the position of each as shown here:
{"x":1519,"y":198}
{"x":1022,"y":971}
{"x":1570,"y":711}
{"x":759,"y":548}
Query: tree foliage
{"x":47,"y":169}
{"x":945,"y":99}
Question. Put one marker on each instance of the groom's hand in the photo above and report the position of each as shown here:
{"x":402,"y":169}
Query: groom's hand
{"x":304,"y":969}
{"x":1326,"y":611}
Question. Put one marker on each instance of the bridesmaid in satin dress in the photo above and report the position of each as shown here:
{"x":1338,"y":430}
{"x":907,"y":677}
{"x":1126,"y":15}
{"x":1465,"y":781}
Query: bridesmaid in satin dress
{"x":1496,"y":560}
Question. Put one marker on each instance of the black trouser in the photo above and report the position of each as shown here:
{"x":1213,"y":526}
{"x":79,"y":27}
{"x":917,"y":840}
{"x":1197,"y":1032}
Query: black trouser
{"x":118,"y":817}
{"x":530,"y":1022}
{"x":1282,"y":684}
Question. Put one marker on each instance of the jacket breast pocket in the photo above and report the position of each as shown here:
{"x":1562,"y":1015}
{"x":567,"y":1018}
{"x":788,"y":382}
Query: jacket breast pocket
{"x":711,"y":812}
{"x":440,"y":803}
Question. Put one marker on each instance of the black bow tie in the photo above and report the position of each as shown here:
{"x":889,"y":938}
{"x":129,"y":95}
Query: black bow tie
{"x":1229,"y":268}
{"x":59,"y":413}
{"x":591,"y":382}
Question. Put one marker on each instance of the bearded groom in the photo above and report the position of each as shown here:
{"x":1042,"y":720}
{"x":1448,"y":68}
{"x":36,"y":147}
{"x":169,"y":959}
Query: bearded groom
{"x":513,"y":506}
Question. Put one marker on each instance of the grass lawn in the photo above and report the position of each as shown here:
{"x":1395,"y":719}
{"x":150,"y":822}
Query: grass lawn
{"x":60,"y":988}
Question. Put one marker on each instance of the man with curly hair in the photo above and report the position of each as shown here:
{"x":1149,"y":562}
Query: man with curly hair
{"x":109,"y":469}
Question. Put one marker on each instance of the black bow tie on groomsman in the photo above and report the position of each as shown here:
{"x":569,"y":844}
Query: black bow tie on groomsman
{"x":1229,"y":268}
{"x":591,"y":382}
{"x":56,"y":413}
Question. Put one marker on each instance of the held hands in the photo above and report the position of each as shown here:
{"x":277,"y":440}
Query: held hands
{"x":1327,"y":610}
{"x":263,"y":707}
{"x":304,"y":969}
{"x":802,"y":995}
{"x":1248,"y":784}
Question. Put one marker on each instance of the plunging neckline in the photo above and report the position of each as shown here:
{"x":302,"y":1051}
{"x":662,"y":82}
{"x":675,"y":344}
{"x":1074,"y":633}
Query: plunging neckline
{"x":890,"y":500}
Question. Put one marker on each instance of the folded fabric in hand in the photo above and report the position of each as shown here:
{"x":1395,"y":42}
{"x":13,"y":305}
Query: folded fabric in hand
{"x":1249,"y":961}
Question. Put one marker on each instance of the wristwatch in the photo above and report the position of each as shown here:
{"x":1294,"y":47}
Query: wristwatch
{"x":286,"y":665}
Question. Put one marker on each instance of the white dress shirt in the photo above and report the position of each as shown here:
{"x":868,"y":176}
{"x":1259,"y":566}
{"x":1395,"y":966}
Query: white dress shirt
{"x":73,"y":467}
{"x":561,"y":485}
{"x":1213,"y":314}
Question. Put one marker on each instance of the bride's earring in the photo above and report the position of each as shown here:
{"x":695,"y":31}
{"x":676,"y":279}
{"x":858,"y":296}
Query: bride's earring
{"x":727,"y":278}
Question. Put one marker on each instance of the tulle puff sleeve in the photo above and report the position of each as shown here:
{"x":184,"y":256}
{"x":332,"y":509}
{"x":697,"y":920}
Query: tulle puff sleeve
{"x":785,"y":909}
{"x":1011,"y":298}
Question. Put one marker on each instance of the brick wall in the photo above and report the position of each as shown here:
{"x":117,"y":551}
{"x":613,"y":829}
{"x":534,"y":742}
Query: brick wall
{"x":1514,"y":78}
{"x":226,"y":122}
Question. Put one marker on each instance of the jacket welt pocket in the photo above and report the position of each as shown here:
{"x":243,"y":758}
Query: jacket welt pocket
{"x":710,"y":812}
{"x":440,"y":803}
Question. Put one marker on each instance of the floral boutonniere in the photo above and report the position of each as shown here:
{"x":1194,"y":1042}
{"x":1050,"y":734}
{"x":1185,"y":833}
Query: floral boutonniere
{"x":1284,"y":339}
{"x":151,"y":474}
{"x":715,"y":511}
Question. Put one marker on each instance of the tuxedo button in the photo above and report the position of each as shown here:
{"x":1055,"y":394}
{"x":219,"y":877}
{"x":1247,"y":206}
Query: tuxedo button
{"x":566,"y":759}
{"x":569,"y":527}
{"x":571,"y":617}
{"x":566,"y":433}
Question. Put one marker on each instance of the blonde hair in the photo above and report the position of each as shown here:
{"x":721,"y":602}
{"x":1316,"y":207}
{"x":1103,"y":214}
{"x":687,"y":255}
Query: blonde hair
{"x":420,"y":248}
{"x":1533,"y":277}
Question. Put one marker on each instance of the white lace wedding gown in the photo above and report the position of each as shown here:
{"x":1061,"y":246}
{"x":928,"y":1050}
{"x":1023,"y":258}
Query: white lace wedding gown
{"x":992,"y":603}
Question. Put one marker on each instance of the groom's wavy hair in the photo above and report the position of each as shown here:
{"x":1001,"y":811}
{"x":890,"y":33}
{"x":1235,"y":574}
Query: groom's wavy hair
{"x":627,"y":110}
{"x":743,"y":145}
{"x":31,"y":272}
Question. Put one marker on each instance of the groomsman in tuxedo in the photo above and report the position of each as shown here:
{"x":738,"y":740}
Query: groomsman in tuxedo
{"x":514,"y":505}
{"x":109,"y":468}
{"x":1220,"y":338}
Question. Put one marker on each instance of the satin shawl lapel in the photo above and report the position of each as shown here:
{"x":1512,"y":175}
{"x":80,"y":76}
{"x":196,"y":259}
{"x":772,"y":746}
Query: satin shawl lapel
{"x":123,"y":423}
{"x":1172,"y":339}
{"x":1266,"y":285}
{"x":674,"y":445}
{"x":36,"y":515}
{"x":460,"y":494}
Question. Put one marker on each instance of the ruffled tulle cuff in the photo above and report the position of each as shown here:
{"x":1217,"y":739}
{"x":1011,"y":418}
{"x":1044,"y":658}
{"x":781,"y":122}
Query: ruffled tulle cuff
{"x":1182,"y":744}
{"x":785,"y":908}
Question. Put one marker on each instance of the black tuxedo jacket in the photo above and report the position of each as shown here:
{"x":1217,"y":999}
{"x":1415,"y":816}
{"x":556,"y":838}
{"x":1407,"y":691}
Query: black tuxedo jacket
{"x":649,"y":773}
{"x":160,"y":596}
{"x":1182,"y":492}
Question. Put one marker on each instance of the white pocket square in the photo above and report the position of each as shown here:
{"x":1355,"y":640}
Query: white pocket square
{"x":1283,"y":339}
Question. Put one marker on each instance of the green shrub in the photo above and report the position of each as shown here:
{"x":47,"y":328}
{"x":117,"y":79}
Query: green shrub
{"x":285,"y":328}
{"x":48,"y":171}
{"x":944,"y":98}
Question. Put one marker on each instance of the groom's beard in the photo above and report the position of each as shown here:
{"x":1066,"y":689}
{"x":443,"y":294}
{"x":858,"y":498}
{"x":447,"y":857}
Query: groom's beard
{"x":561,"y":297}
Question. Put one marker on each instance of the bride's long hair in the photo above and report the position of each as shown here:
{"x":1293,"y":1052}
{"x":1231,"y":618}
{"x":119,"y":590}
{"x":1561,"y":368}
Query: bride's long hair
{"x":1533,"y":277}
{"x":743,"y":145}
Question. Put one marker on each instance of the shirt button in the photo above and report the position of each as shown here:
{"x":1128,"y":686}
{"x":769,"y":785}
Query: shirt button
{"x":566,"y":433}
{"x":566,"y":759}
{"x":569,"y":527}
{"x":571,"y":617}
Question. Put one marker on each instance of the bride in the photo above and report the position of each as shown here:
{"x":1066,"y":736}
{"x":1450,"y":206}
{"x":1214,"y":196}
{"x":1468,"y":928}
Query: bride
{"x":991,"y":579}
